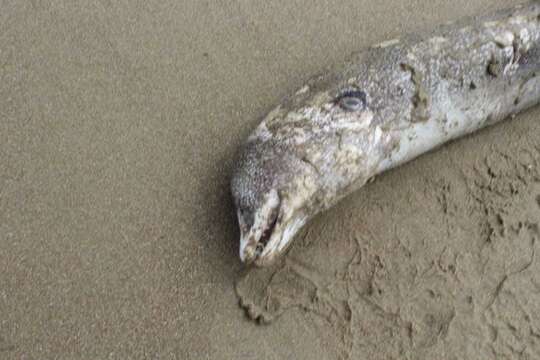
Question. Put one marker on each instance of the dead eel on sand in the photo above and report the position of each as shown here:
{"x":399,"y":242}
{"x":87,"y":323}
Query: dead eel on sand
{"x":383,"y":107}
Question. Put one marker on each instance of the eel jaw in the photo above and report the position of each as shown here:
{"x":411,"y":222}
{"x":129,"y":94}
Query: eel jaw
{"x":272,"y":231}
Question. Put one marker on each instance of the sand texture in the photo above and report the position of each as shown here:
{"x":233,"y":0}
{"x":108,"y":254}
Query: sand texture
{"x":119,"y":125}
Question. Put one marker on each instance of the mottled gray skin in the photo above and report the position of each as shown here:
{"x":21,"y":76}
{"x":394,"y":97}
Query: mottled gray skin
{"x":421,"y":92}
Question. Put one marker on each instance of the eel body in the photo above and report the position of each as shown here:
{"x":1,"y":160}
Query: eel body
{"x":385,"y":106}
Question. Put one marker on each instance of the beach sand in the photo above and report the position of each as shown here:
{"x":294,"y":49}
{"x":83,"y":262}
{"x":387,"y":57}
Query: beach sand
{"x":119,"y":125}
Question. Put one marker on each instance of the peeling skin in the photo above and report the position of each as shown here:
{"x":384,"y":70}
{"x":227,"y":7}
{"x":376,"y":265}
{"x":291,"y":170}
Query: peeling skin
{"x":420,"y":100}
{"x":420,"y":93}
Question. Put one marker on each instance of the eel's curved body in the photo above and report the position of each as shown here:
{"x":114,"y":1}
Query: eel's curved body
{"x":387,"y":105}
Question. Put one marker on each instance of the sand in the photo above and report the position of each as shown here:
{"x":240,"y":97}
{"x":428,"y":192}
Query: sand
{"x":119,"y":124}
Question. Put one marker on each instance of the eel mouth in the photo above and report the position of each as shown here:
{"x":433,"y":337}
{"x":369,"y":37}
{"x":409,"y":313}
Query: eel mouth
{"x":253,"y":242}
{"x":265,"y":237}
{"x":274,"y":226}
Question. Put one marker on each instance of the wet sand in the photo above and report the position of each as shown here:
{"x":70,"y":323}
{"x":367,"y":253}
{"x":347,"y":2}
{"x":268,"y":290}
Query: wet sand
{"x":119,"y":123}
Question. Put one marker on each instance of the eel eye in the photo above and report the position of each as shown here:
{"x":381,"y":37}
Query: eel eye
{"x":352,"y":100}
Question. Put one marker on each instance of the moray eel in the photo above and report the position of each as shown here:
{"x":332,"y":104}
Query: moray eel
{"x":385,"y":106}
